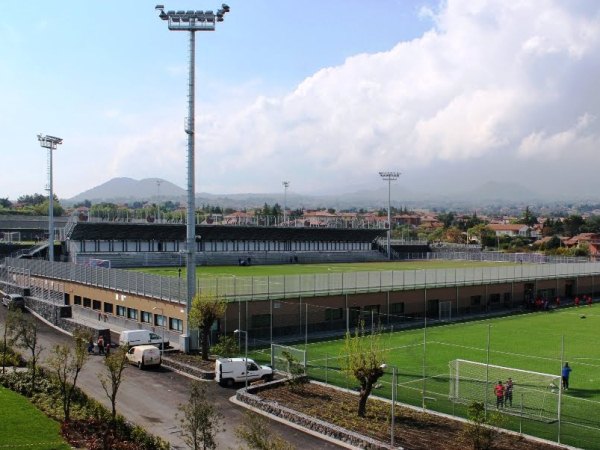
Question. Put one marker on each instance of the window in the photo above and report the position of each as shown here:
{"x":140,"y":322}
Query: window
{"x":159,"y":320}
{"x":96,"y":304}
{"x":494,"y":298}
{"x":108,"y":308}
{"x":475,"y":300}
{"x":77,"y":300}
{"x":175,"y":324}
{"x":334,"y":314}
{"x":397,"y":308}
{"x":132,"y":313}
{"x":121,"y":310}
{"x":146,"y":317}
{"x":507,"y":297}
{"x":261,"y":320}
{"x":87,"y":302}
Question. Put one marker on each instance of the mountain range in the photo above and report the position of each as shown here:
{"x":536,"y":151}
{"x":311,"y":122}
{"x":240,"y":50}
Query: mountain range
{"x":128,"y":190}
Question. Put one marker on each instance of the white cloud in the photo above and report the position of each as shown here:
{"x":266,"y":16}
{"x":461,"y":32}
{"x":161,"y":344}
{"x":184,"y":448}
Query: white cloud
{"x":494,"y":78}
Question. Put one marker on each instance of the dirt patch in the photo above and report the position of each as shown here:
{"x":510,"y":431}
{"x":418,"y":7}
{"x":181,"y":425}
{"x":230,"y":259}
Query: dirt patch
{"x":414,"y":430}
{"x":192,"y":359}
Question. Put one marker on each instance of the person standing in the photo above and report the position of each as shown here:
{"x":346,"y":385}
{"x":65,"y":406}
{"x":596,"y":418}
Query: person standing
{"x":566,"y":372}
{"x":508,"y":392}
{"x":101,"y":345}
{"x":499,"y":390}
{"x":589,"y":301}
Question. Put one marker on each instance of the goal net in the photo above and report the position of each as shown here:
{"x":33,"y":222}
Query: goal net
{"x":535,"y":394}
{"x":290,"y":360}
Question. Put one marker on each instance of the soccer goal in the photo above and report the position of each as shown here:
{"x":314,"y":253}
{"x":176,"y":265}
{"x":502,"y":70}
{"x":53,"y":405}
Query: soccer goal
{"x":290,"y":360}
{"x":535,"y":394}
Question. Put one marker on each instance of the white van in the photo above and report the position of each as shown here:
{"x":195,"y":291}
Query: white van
{"x":13,"y":301}
{"x":144,"y":356}
{"x":233,"y":370}
{"x":131,"y":338}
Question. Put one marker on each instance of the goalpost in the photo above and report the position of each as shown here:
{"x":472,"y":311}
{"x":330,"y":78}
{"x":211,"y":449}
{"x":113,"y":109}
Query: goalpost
{"x":535,"y":394}
{"x":282,"y":356}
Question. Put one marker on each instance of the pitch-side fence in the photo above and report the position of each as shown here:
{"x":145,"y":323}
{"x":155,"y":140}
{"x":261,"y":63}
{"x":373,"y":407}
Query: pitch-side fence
{"x":293,"y":286}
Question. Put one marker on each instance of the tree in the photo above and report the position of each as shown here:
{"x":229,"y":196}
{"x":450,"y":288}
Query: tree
{"x":572,"y":224}
{"x":114,"y":364}
{"x":527,"y":218}
{"x":364,"y":359}
{"x":206,"y":308}
{"x":28,"y":340}
{"x":447,"y":219}
{"x":10,"y":334}
{"x":200,"y":420}
{"x":481,"y":429}
{"x":5,"y":203}
{"x":66,"y":363}
{"x":257,"y":435}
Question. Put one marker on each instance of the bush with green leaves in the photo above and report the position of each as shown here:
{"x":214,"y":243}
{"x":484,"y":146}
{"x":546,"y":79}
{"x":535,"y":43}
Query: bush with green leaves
{"x":227,"y":347}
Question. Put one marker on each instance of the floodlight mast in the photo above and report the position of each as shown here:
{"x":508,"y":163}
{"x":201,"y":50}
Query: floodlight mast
{"x":191,"y":21}
{"x":389,"y":177}
{"x":286,"y":185}
{"x":51,"y":143}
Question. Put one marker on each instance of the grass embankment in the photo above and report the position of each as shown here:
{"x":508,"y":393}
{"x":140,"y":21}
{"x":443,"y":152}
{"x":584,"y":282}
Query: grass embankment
{"x":22,"y":425}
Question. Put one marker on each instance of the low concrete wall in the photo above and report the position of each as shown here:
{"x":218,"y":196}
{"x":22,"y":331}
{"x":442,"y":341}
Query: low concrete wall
{"x":60,"y":316}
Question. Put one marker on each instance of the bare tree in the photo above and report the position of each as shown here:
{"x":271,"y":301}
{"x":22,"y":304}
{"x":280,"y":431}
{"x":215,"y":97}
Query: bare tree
{"x":200,"y":420}
{"x":66,"y":362}
{"x":257,"y":435}
{"x":114,"y":364}
{"x":206,"y":308}
{"x":10,"y":334}
{"x":364,"y":359}
{"x":28,"y":339}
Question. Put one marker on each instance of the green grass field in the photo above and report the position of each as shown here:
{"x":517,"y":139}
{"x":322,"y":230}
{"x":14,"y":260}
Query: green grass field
{"x":532,"y":342}
{"x":298,"y":269}
{"x":22,"y":425}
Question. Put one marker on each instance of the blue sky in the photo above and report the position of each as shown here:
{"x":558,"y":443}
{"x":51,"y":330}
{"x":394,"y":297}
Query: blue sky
{"x":321,"y":93}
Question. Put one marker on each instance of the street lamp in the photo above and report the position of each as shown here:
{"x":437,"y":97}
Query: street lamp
{"x":286,"y":184}
{"x":162,"y":315}
{"x":246,"y":358}
{"x":50,"y":142}
{"x":389,"y":177}
{"x":394,"y":384}
{"x":191,"y":21}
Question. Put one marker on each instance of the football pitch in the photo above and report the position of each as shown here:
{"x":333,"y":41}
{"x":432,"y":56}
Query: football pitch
{"x":535,"y":342}
{"x":299,"y":269}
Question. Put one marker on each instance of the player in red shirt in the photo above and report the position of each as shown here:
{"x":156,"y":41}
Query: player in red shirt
{"x":589,"y":301}
{"x":577,"y":302}
{"x":499,"y":391}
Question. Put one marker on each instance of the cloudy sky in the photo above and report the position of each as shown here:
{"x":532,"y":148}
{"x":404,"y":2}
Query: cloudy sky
{"x":324,"y":94}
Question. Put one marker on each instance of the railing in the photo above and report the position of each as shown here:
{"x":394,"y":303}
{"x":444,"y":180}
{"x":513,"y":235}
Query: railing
{"x":293,"y":286}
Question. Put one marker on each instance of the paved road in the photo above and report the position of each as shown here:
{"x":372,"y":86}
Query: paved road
{"x":150,"y":399}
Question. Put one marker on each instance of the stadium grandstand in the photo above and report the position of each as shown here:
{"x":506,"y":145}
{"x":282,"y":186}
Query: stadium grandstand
{"x":134,"y":245}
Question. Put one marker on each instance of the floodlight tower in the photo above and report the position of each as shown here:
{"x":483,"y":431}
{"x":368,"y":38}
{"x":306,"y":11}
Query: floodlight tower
{"x":50,"y":142}
{"x":191,"y":21}
{"x":286,"y":185}
{"x":389,"y":177}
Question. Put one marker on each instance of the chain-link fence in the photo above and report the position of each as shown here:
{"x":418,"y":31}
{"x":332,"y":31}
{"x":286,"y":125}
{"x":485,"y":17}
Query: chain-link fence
{"x":533,"y":345}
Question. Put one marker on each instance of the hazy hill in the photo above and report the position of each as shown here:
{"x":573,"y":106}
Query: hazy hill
{"x":128,"y":190}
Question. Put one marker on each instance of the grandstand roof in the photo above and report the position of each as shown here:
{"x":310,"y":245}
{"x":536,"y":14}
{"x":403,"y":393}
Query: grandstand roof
{"x":22,"y":222}
{"x":177,"y":232}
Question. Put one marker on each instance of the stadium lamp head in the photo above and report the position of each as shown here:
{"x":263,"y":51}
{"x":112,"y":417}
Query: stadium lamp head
{"x":159,"y":7}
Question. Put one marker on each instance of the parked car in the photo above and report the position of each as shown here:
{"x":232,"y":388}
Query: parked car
{"x":144,"y":356}
{"x":131,"y":338}
{"x":233,"y":370}
{"x":13,"y":301}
